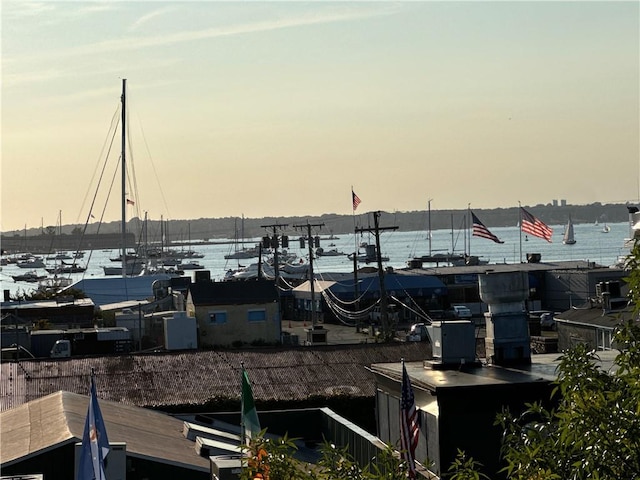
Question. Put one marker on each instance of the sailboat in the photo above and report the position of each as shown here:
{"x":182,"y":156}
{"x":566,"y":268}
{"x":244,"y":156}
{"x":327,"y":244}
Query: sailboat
{"x":241,"y":253}
{"x":104,"y":290}
{"x":568,"y":238}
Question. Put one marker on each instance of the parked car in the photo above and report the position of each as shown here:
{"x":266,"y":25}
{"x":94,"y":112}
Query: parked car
{"x":460,"y":311}
{"x":376,"y":314}
{"x":418,"y":333}
{"x":547,"y":321}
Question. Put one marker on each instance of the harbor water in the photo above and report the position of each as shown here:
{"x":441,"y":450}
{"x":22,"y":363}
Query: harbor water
{"x":592,"y":244}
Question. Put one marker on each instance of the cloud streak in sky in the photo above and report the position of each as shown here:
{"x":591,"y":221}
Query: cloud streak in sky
{"x":134,"y":43}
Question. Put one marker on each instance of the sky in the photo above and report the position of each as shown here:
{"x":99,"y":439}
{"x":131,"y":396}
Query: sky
{"x":277,"y":109}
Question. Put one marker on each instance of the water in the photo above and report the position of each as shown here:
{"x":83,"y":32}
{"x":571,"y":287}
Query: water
{"x":592,"y":245}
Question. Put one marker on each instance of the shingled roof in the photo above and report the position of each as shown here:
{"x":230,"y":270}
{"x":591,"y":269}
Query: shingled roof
{"x":208,"y":377}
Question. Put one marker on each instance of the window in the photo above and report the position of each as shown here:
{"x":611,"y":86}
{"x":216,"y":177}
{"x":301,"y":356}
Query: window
{"x":217,"y":317}
{"x":605,"y":338}
{"x":256,"y":315}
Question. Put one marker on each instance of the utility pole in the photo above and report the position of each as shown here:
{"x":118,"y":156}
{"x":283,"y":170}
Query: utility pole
{"x":383,"y":294}
{"x":273,"y":242}
{"x":311,"y":277}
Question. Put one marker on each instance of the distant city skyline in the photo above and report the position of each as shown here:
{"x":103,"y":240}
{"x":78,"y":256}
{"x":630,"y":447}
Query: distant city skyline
{"x":279,"y":109}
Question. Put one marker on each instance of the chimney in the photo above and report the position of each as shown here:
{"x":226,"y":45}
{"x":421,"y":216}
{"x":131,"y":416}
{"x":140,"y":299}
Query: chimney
{"x":507,"y":341}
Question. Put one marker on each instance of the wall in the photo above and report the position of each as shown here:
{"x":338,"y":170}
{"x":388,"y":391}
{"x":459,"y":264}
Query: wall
{"x":237,"y":327}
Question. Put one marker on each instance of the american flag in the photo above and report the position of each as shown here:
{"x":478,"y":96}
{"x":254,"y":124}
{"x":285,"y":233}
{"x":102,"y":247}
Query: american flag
{"x":479,"y":230}
{"x":409,"y":428}
{"x":533,"y":226}
{"x":356,"y":199}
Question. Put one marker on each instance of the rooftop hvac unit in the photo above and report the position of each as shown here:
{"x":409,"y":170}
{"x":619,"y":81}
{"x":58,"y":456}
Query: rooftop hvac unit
{"x":225,"y":467}
{"x":453,"y":342}
{"x":115,"y":464}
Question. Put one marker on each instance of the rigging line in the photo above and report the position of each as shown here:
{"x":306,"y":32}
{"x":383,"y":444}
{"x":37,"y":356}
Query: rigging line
{"x":112,"y":128}
{"x":153,"y":167}
{"x":104,"y":209}
{"x":421,"y":314}
{"x":95,"y":194}
{"x":407,"y":295}
{"x":132,"y":178}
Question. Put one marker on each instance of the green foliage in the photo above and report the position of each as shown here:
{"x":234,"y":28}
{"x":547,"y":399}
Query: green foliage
{"x":270,"y":459}
{"x":465,"y":468}
{"x":594,"y":432}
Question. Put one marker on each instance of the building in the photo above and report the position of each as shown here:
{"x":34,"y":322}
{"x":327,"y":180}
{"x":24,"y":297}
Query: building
{"x":64,"y":312}
{"x":149,"y":444}
{"x":230,"y":313}
{"x":594,"y":323}
{"x":460,"y":396}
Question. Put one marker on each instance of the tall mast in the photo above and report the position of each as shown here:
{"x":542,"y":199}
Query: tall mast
{"x":123,"y":200}
{"x":429,"y":224}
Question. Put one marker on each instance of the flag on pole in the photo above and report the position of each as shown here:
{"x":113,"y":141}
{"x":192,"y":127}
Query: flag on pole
{"x":479,"y":230}
{"x":356,"y":200}
{"x":95,"y":444}
{"x":534,"y":226}
{"x":250,"y":420}
{"x":130,"y":202}
{"x":409,"y":428}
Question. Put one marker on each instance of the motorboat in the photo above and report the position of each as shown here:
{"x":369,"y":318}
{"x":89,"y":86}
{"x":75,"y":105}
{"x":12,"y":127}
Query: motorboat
{"x":30,"y":276}
{"x":320,"y":252}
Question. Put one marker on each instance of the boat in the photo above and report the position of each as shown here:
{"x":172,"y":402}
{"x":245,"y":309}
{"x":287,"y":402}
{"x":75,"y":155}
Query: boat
{"x":606,"y":228}
{"x":321,"y":252}
{"x":66,"y":268}
{"x":568,"y":238}
{"x":33,"y":262}
{"x":369,"y":255}
{"x":54,"y":284}
{"x":112,"y":289}
{"x":31,"y":277}
{"x":241,"y":253}
{"x":133,"y":268}
{"x":191,"y":265}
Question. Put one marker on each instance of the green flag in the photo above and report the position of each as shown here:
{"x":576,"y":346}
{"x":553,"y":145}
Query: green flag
{"x":250,"y":420}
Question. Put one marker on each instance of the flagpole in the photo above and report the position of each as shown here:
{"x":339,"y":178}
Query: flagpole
{"x":467,"y":229}
{"x":520,"y":226}
{"x":243,"y":434}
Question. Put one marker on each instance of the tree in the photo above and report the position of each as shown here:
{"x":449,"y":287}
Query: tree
{"x":594,"y":431}
{"x":273,"y":459}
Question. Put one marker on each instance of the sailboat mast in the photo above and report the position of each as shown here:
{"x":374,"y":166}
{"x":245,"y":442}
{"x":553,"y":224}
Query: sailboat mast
{"x":123,"y":226}
{"x":429,"y":224}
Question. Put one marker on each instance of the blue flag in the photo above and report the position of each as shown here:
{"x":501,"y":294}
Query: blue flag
{"x":95,"y":444}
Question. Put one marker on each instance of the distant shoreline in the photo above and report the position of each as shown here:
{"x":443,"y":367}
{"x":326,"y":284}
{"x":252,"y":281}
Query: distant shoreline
{"x":223,"y":230}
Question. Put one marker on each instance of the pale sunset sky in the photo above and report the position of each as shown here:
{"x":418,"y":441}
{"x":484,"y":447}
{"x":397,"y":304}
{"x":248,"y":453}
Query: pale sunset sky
{"x":278,"y":108}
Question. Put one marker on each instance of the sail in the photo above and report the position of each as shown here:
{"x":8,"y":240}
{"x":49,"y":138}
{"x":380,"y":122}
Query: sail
{"x":568,"y":238}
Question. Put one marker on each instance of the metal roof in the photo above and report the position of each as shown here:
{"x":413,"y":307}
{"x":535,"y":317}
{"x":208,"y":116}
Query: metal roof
{"x":504,"y":267}
{"x":231,"y":293}
{"x":58,"y":419}
{"x":543,"y":369}
{"x":199,"y":378}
